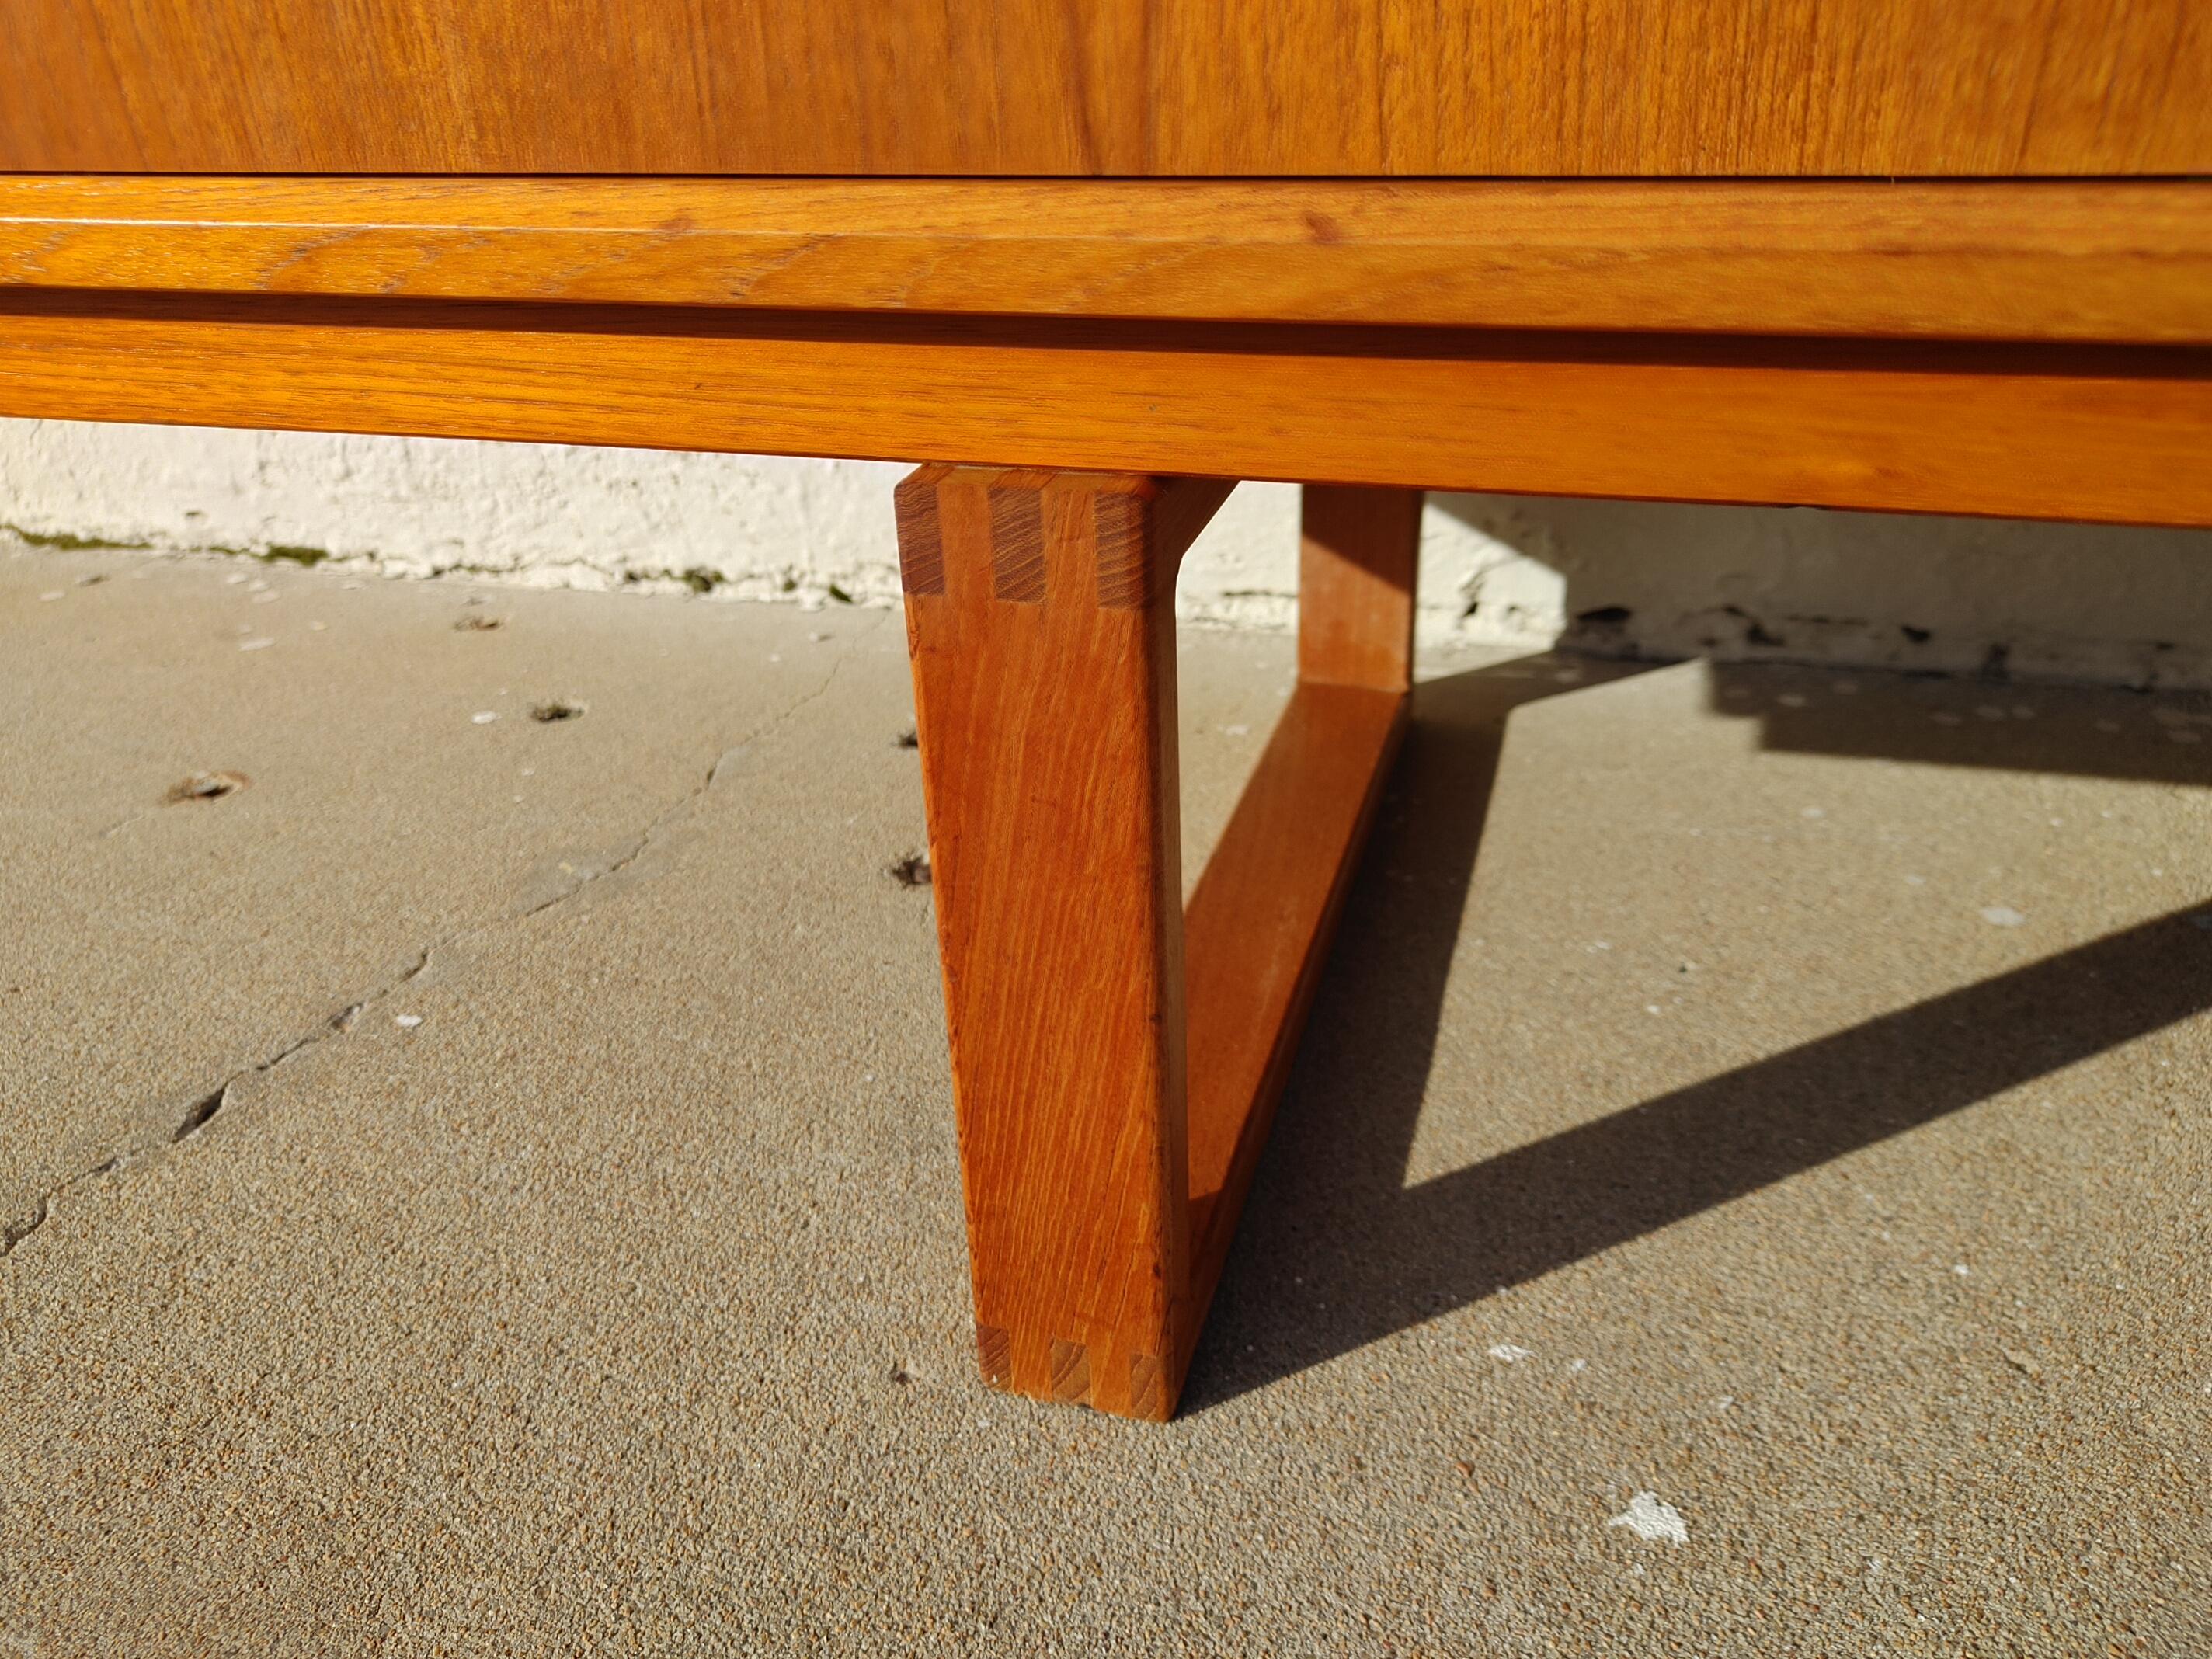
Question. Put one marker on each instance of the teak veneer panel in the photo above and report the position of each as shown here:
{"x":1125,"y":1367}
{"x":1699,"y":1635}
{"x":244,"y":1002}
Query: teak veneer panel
{"x":587,"y":86}
{"x":2044,"y":260}
{"x":2108,"y":433}
{"x":1682,"y":87}
{"x":1109,"y":87}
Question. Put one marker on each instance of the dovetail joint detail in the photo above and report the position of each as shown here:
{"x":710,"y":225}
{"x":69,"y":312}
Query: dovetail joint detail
{"x":1148,"y":1386}
{"x":1125,"y":562}
{"x":920,"y":539}
{"x":1017,"y":545}
{"x":1070,"y":1371}
{"x":994,"y":1348}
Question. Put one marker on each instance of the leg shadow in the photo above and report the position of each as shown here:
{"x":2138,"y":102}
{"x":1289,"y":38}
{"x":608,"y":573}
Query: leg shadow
{"x":1336,"y":1251}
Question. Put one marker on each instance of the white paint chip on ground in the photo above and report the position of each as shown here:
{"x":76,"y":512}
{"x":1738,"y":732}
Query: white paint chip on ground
{"x":2002,"y":915}
{"x":55,"y":594}
{"x":482,"y":717}
{"x":407,"y":1022}
{"x":1651,"y":1520}
{"x":1510,"y":1352}
{"x":260,"y":643}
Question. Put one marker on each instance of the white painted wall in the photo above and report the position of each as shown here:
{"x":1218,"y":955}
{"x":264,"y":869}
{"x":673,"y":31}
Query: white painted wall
{"x":2130,"y":606}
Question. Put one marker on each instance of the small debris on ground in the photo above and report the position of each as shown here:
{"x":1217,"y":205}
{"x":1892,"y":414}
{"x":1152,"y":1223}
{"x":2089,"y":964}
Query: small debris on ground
{"x":483,"y":717}
{"x":1651,"y":1520}
{"x":2002,"y":915}
{"x":407,"y":1022}
{"x":911,"y":870}
{"x":478,"y":624}
{"x":206,"y":786}
{"x":1510,"y":1352}
{"x":560,"y":709}
{"x":909,"y":739}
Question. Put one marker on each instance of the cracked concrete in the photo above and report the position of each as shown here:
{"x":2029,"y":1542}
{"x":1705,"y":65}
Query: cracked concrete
{"x":328,"y":869}
{"x":1678,"y":1135}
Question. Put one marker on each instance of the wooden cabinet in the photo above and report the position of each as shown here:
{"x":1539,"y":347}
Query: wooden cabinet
{"x":1254,"y":87}
{"x":1948,"y":256}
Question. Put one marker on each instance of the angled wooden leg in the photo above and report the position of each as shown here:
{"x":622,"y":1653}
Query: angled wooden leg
{"x":1040,"y":616}
{"x":1103,"y":1168}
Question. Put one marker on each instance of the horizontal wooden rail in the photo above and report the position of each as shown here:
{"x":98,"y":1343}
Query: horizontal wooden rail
{"x":2116,"y":433}
{"x":1255,"y":933}
{"x":2118,"y":260}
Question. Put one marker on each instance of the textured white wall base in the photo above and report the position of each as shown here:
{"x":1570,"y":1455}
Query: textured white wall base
{"x":2128,"y":607}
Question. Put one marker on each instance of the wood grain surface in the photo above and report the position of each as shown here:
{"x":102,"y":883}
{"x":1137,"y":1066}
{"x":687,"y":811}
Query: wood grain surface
{"x":1109,"y":86}
{"x":1682,"y":87}
{"x":592,"y":86}
{"x":1359,"y":556}
{"x":2035,"y":260}
{"x":1041,"y":622}
{"x":2094,"y":433}
{"x":1113,"y":1087}
{"x":1258,"y":926}
{"x":1256,"y":934}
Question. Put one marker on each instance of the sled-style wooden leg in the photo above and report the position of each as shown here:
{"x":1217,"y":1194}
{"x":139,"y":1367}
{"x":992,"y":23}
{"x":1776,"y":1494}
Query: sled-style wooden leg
{"x":1261,"y":916}
{"x":1103,"y":1162}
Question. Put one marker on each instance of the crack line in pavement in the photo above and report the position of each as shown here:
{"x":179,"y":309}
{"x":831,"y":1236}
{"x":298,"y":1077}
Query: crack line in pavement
{"x":204,"y":1107}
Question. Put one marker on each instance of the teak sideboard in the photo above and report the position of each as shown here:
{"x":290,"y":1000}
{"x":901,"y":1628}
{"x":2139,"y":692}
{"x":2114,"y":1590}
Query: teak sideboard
{"x":1090,"y":262}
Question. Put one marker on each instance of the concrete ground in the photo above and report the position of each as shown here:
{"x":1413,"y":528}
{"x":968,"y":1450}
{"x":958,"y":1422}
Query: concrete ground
{"x":485,"y":1184}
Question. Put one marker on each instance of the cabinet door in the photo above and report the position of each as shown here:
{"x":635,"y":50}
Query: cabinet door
{"x":1129,"y":87}
{"x":1683,"y":87}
